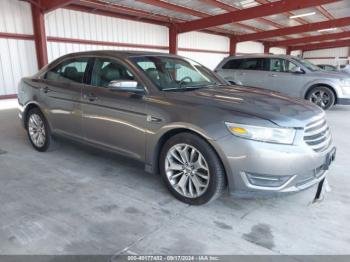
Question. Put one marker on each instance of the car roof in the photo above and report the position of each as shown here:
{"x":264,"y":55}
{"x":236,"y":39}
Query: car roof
{"x":116,"y":53}
{"x":261,"y":56}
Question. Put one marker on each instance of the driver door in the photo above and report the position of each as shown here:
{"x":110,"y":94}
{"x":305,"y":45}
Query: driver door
{"x":114,"y":118}
{"x":282,"y":79}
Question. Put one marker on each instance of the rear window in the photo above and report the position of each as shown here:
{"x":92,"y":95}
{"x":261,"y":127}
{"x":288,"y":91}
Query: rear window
{"x":71,"y":70}
{"x":245,"y":64}
{"x":232,"y":64}
{"x":252,"y":64}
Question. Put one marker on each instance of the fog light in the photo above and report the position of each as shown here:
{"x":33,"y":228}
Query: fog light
{"x":266,"y":180}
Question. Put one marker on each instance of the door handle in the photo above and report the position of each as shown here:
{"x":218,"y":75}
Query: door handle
{"x":273,"y":75}
{"x":153,"y":119}
{"x":46,"y":89}
{"x":91,"y":97}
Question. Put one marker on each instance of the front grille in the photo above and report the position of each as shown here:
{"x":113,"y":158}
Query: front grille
{"x":318,"y":135}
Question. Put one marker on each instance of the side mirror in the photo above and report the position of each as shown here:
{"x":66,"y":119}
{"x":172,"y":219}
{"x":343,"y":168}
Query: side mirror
{"x":297,"y":70}
{"x":125,"y":86}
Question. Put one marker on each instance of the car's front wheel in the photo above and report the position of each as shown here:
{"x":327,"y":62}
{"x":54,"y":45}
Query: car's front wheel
{"x":322,"y":96}
{"x":191,"y":169}
{"x":38,"y":130}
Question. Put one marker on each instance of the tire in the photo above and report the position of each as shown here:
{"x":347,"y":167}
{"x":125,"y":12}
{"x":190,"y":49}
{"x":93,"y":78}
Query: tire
{"x":322,"y":96}
{"x":203,"y":166}
{"x":36,"y":120}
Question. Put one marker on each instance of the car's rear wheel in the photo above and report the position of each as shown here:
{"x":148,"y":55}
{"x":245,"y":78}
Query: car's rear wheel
{"x":322,"y":96}
{"x":38,"y":130}
{"x":191,"y":169}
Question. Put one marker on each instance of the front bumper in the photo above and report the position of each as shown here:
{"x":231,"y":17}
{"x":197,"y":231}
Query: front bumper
{"x":343,"y":95}
{"x":257,"y":168}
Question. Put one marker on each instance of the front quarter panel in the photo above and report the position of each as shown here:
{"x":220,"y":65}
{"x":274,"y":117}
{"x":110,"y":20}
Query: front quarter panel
{"x":176,"y":115}
{"x":28,"y":94}
{"x":321,"y":81}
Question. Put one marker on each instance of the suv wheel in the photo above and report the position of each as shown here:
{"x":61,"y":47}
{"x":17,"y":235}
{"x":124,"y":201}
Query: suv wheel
{"x":38,"y":130}
{"x":191,"y":169}
{"x":321,"y":96}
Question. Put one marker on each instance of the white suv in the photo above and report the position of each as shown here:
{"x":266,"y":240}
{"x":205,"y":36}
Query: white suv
{"x":288,"y":74}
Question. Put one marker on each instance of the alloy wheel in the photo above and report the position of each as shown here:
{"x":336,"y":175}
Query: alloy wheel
{"x":187,"y":170}
{"x":36,"y":128}
{"x":320,"y":98}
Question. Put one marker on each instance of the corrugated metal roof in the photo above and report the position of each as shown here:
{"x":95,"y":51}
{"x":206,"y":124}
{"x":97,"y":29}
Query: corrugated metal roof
{"x":203,"y":8}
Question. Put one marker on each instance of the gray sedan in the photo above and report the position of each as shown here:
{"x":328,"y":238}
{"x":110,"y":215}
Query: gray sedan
{"x":181,"y":120}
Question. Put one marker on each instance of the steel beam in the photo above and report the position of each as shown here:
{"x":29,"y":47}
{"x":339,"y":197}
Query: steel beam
{"x":287,"y":14}
{"x":115,"y":10}
{"x":231,"y":8}
{"x":326,"y":45}
{"x":173,"y":40}
{"x":295,"y":29}
{"x":51,"y":5}
{"x":233,"y":46}
{"x":310,"y":39}
{"x":266,"y":48}
{"x":39,"y":35}
{"x":120,"y":12}
{"x":249,"y":13}
{"x":189,"y":11}
{"x":16,"y":36}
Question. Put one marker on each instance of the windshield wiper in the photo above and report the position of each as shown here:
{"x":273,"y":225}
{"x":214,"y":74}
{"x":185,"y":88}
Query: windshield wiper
{"x":187,"y":88}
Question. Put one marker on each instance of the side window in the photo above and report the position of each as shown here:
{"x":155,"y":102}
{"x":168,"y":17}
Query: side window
{"x":71,"y":70}
{"x":330,"y":68}
{"x":232,"y":64}
{"x":106,"y":70}
{"x":290,"y":66}
{"x":281,"y":65}
{"x":276,"y":65}
{"x":251,"y":64}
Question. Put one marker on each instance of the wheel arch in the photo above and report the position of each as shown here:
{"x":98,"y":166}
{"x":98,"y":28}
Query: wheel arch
{"x":170,"y":133}
{"x":325,"y":85}
{"x":29,"y":107}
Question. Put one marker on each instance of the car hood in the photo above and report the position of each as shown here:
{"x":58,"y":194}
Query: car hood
{"x":280,"y":109}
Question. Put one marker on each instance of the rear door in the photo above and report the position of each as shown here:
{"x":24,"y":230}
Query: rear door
{"x":61,"y":95}
{"x":245,"y":71}
{"x":230,"y":72}
{"x":251,"y":72}
{"x":111,"y":118}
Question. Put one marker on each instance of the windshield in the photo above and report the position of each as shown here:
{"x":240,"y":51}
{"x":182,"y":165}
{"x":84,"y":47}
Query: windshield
{"x":307,"y":64}
{"x":172,"y":73}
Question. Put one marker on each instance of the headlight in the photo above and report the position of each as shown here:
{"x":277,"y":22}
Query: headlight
{"x":264,"y":134}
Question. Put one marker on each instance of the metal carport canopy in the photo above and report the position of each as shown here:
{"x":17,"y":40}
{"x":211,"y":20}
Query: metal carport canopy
{"x":249,"y":13}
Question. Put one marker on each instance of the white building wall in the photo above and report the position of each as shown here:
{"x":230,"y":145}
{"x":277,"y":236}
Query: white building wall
{"x":278,"y":51}
{"x":71,"y":24}
{"x":333,"y":56}
{"x":17,"y":57}
{"x":207,"y":42}
{"x":296,"y":53}
{"x":209,"y":60}
{"x":250,"y":47}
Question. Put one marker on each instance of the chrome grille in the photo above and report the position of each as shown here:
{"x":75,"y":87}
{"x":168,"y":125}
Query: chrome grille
{"x":318,"y":135}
